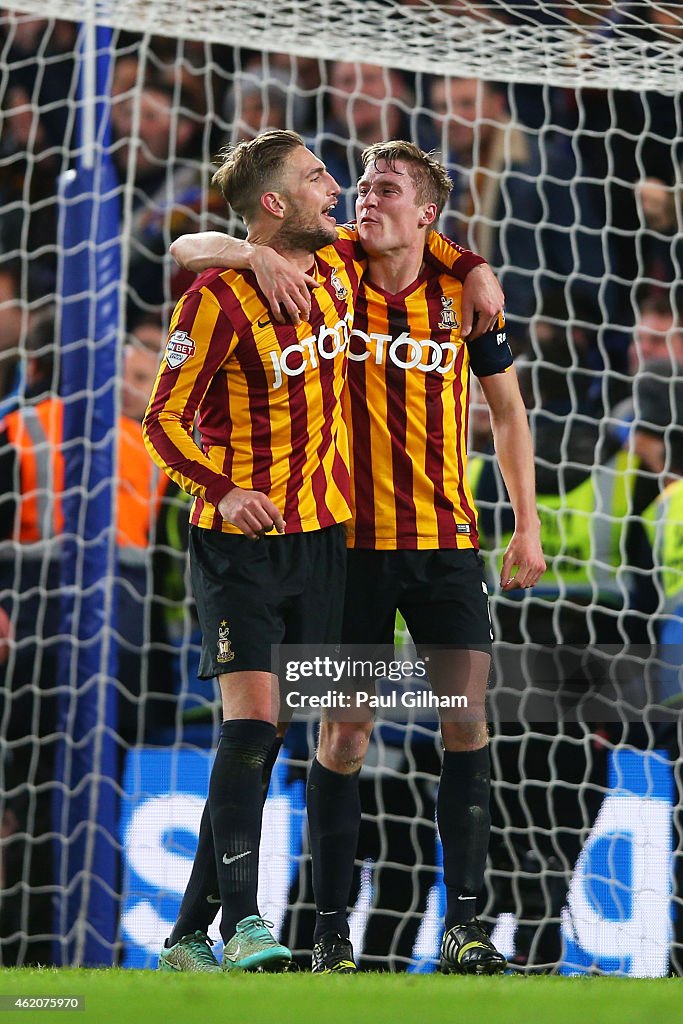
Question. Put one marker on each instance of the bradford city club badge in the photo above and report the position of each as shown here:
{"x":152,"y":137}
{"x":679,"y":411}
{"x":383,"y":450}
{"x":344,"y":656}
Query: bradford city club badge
{"x":448,"y":321}
{"x":340,"y":289}
{"x":225,"y":651}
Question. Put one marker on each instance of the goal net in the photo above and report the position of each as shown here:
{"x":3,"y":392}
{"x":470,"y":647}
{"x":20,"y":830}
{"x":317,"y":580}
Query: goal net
{"x":560,"y":125}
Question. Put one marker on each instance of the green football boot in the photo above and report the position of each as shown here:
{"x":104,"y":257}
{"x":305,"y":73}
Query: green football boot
{"x":191,"y":953}
{"x":253,"y":948}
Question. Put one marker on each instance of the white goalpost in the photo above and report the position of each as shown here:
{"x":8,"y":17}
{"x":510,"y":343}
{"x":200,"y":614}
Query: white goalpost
{"x":561,"y":127}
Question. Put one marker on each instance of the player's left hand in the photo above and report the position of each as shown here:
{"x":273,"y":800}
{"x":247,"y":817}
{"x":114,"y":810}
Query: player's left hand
{"x":523,"y":553}
{"x":482,"y":300}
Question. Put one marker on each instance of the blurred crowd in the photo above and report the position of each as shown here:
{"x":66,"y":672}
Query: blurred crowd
{"x":574,"y":197}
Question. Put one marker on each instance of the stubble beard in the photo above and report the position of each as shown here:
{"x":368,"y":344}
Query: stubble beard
{"x":296,"y":236}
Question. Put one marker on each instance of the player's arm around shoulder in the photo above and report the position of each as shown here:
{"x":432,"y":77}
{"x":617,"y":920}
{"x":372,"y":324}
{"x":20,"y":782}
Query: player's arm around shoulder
{"x":514,"y":451}
{"x":285,"y":287}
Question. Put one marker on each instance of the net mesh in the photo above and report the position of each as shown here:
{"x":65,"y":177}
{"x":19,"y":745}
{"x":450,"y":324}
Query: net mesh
{"x":596,"y":44}
{"x":562,"y":135}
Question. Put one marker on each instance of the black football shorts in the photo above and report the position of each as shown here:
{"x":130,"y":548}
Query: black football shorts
{"x":254,"y":594}
{"x":441,"y":594}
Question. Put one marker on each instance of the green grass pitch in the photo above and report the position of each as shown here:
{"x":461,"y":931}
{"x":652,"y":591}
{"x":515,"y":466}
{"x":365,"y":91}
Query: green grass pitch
{"x":147,"y":997}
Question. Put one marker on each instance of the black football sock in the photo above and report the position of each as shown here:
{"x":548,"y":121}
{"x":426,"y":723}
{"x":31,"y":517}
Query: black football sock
{"x":464,"y":820}
{"x":236,"y":806}
{"x":201,"y":899}
{"x":333,"y":806}
{"x":269,"y":764}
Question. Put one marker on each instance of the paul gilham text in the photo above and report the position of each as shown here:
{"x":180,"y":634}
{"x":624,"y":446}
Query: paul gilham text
{"x":409,"y":699}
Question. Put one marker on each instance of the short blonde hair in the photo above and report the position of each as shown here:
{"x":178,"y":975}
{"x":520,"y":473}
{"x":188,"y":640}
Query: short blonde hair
{"x":428,"y":174}
{"x":251,"y":168}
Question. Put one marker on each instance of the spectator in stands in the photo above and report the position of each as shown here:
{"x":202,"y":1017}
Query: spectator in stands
{"x":148,"y":333}
{"x":658,"y":427}
{"x":142,"y":705}
{"x":303,"y":78}
{"x":658,"y":334}
{"x":49,"y":91}
{"x":569,"y":333}
{"x":527,"y":200}
{"x":655,"y":360}
{"x":29,"y":168}
{"x":275,"y":90}
{"x":658,"y":443}
{"x":31,"y":483}
{"x":30,"y":518}
{"x":34,"y":143}
{"x":166,"y":184}
{"x":254,"y":103}
{"x":127,"y":72}
{"x":656,"y":338}
{"x":195,"y":82}
{"x":495,"y":165}
{"x":612,"y":139}
{"x":196,"y":73}
{"x":176,"y":636}
{"x":161,"y":127}
{"x":29,"y":593}
{"x":471,"y":16}
{"x":140,"y":363}
{"x":660,"y":255}
{"x":367,"y":104}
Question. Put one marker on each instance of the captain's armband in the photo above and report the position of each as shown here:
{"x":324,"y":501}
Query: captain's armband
{"x":490,"y":353}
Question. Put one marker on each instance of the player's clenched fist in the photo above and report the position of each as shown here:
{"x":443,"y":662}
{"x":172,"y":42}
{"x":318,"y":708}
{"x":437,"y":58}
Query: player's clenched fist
{"x":251,"y":512}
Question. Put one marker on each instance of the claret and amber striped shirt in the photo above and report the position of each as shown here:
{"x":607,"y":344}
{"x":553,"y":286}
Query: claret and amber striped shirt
{"x":406,"y":407}
{"x":266,"y":397}
{"x":263,"y":398}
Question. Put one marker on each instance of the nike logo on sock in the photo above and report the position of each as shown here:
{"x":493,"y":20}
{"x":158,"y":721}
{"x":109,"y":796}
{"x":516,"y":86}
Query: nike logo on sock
{"x":326,"y":913}
{"x":229,"y":860}
{"x":213,"y":899}
{"x":467,"y":897}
